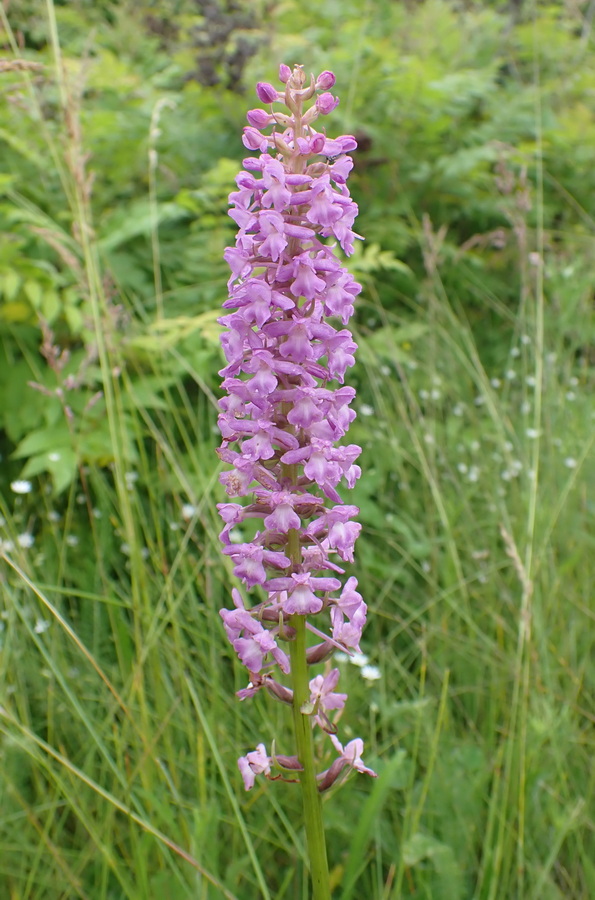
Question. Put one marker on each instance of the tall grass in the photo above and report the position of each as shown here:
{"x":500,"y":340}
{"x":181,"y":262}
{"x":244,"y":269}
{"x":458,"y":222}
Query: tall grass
{"x":118,"y":721}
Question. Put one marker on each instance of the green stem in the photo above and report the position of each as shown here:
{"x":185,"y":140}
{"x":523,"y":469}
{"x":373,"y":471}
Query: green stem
{"x":305,"y":753}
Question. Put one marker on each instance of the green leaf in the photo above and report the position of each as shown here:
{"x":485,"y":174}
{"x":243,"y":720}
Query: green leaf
{"x":61,"y":463}
{"x":44,"y":440}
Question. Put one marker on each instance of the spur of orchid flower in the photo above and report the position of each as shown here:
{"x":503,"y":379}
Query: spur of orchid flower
{"x":286,"y":411}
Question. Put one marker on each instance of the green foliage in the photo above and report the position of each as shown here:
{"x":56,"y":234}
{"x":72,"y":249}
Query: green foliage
{"x":119,"y":727}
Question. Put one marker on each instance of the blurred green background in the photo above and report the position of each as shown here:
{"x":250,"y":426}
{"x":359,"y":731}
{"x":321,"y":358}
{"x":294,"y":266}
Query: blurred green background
{"x":120,"y":136}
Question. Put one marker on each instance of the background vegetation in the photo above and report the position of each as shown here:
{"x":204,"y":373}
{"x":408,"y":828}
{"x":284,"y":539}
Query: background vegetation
{"x":120,"y":132}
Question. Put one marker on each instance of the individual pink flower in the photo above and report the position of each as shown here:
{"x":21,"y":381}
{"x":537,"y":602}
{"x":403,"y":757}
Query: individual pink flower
{"x":323,"y":698}
{"x":254,"y":763}
{"x":351,"y":754}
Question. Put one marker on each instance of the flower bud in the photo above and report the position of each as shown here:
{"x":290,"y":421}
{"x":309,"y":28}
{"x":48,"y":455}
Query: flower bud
{"x":284,"y":73}
{"x":266,"y":93}
{"x":326,"y":103}
{"x":254,"y":140}
{"x":259,"y":118}
{"x":325,"y":81}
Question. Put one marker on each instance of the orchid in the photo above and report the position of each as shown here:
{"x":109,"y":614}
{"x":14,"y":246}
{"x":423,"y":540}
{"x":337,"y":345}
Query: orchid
{"x":283,"y":420}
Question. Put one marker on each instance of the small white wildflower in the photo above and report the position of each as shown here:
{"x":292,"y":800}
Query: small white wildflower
{"x":411,"y":364}
{"x":429,"y":438}
{"x":54,"y":456}
{"x":366,"y":410}
{"x":551,"y":358}
{"x":25,"y":540}
{"x":505,"y":475}
{"x":462,"y":467}
{"x":131,"y":478}
{"x":573,"y":382}
{"x":97,"y":514}
{"x":359,"y":660}
{"x":81,"y":499}
{"x":21,"y":487}
{"x":423,"y":394}
{"x":525,"y":407}
{"x":426,"y":567}
{"x":458,"y":409}
{"x":570,"y":462}
{"x":525,"y":339}
{"x":535,"y":259}
{"x":188,"y":511}
{"x":145,"y":552}
{"x":53,"y":516}
{"x":473,"y":475}
{"x":475,"y":446}
{"x":570,"y":395}
{"x":496,"y":383}
{"x":480,"y":400}
{"x":533,"y":433}
{"x":340,"y":657}
{"x":125,"y":549}
{"x":508,"y":446}
{"x":174,"y":526}
{"x":72,"y":540}
{"x":530,"y":381}
{"x":371,"y":673}
{"x":516,"y":466}
{"x":385,"y":370}
{"x":515,"y":352}
{"x":6,"y":546}
{"x":41,"y":625}
{"x":236,"y":536}
{"x":510,"y":374}
{"x":435,"y":394}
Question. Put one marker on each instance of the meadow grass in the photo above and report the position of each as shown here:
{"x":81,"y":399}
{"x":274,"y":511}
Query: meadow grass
{"x":119,"y":724}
